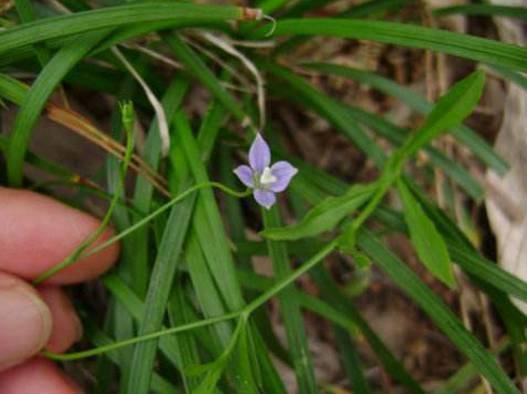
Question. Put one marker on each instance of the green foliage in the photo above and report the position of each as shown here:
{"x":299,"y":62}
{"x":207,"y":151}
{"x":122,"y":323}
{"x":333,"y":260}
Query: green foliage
{"x":429,"y":244}
{"x":449,"y":111}
{"x":186,"y":309}
{"x":324,"y":216}
{"x":409,"y":35}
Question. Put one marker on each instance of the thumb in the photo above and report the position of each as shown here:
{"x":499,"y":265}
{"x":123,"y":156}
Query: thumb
{"x":25,"y":321}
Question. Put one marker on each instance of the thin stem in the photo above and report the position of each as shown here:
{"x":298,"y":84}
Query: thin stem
{"x":77,"y":253}
{"x":163,"y":208}
{"x":81,"y":251}
{"x":243,"y":314}
{"x":390,"y":174}
{"x":382,"y":189}
{"x":279,"y":286}
{"x":142,"y":338}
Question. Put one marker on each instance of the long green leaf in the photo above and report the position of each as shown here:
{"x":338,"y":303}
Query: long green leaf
{"x":129,"y":300}
{"x":290,"y":311}
{"x":462,"y":45}
{"x":27,"y":14}
{"x":144,"y":191}
{"x":12,"y":89}
{"x":201,"y":72}
{"x":209,"y":229}
{"x":208,"y":223}
{"x":350,"y":361}
{"x":167,"y":260}
{"x":178,"y":312}
{"x":159,"y":384}
{"x":206,"y":291}
{"x":35,"y":100}
{"x":396,"y":136}
{"x":418,"y":103}
{"x":484,"y":9}
{"x":331,"y":109}
{"x":339,"y":310}
{"x":181,"y":14}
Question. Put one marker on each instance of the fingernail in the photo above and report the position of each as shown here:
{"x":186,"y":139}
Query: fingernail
{"x":25,"y":322}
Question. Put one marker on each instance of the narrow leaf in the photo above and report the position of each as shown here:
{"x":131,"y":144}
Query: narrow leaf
{"x":418,"y":103}
{"x":290,"y":311}
{"x":462,"y":45}
{"x":35,"y":100}
{"x":428,"y":243}
{"x":324,"y":216}
{"x":450,"y":110}
{"x":484,"y":9}
{"x":181,"y":13}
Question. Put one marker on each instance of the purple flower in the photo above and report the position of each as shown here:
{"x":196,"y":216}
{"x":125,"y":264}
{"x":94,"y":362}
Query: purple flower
{"x":265,"y":180}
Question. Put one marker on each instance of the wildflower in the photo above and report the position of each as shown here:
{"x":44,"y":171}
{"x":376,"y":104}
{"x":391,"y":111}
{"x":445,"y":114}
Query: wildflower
{"x":265,"y":180}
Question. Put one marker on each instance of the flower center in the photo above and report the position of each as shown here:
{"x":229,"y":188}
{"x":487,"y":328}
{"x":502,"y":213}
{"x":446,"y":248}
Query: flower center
{"x":267,"y":177}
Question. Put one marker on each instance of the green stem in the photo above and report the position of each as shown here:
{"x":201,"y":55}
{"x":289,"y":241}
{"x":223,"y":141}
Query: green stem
{"x":165,"y":207}
{"x":77,"y":253}
{"x":131,"y":341}
{"x":390,"y":174}
{"x":279,"y":286}
{"x":384,"y":185}
{"x":80,"y":252}
{"x":244,"y":314}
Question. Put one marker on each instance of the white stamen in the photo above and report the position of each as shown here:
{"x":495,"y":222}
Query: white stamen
{"x":267,"y":177}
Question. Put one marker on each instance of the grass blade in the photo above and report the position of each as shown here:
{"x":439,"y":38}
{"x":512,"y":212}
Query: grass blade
{"x":200,"y":71}
{"x":208,"y":223}
{"x":438,"y":312}
{"x":397,"y":135}
{"x":129,"y":300}
{"x":167,"y":260}
{"x":339,"y":310}
{"x":483,"y":10}
{"x":462,"y":45}
{"x":159,"y":384}
{"x":418,"y":103}
{"x":35,"y":100}
{"x":290,"y":311}
{"x":326,"y":107}
{"x":144,"y":190}
{"x":178,"y":312}
{"x":111,"y":17}
{"x":351,"y":362}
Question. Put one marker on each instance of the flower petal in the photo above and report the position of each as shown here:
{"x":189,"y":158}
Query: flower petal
{"x":283,"y":172}
{"x":259,"y":154}
{"x":265,"y":198}
{"x":245,"y":174}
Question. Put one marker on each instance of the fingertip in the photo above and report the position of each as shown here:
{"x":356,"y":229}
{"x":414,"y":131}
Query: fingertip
{"x":67,"y":328}
{"x":37,"y":375}
{"x":90,"y":267}
{"x":38,"y":232}
{"x":25,"y":323}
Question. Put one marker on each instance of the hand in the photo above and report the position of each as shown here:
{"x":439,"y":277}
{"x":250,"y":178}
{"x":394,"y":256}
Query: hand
{"x":36,"y":233}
